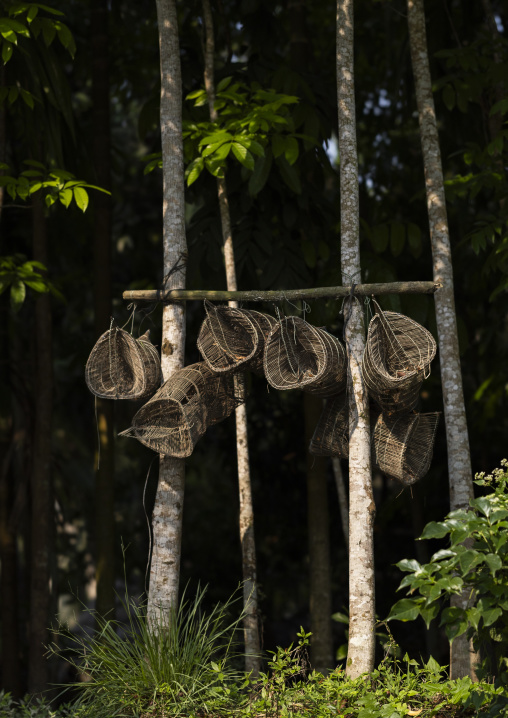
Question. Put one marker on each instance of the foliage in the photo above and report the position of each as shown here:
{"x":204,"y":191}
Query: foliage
{"x":32,"y":708}
{"x":18,"y":274}
{"x":476,"y":561}
{"x":133,"y":667}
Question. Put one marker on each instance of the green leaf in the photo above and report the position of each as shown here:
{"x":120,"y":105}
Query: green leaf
{"x":194,"y":170}
{"x":291,"y":150}
{"x":428,"y":613}
{"x":261,"y":173}
{"x":494,"y":562}
{"x":225,"y":82}
{"x":455,"y":621}
{"x":48,"y":30}
{"x":217,"y":137}
{"x":468,"y":559}
{"x":449,"y":97}
{"x":340,"y":618}
{"x":473,"y":616}
{"x":81,"y":197}
{"x":434,"y":530}
{"x":65,"y":197}
{"x":27,"y":98}
{"x":13,"y":95}
{"x":66,"y":38}
{"x":18,"y":293}
{"x":243,"y":155}
{"x":408,"y":564}
{"x":407,"y":609}
{"x":32,"y":13}
{"x":7,"y":49}
{"x":278,"y":145}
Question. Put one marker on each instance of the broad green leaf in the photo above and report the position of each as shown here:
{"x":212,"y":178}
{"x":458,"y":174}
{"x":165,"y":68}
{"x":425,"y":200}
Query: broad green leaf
{"x":219,"y":136}
{"x":50,"y":199}
{"x":491,"y":615}
{"x":194,"y":170}
{"x":340,"y":617}
{"x":494,"y":562}
{"x":278,"y":145}
{"x":468,"y":559}
{"x":194,"y":94}
{"x":7,"y":49}
{"x":428,"y":613}
{"x":407,"y":609}
{"x":261,"y":173}
{"x":434,"y":530}
{"x":39,"y":286}
{"x":27,"y":98}
{"x":81,"y":197}
{"x":34,"y":163}
{"x":222,"y":152}
{"x":210,"y":149}
{"x":225,"y":82}
{"x":65,"y":197}
{"x":442,"y":554}
{"x":455,"y":621}
{"x":13,"y":95}
{"x":18,"y":293}
{"x":473,"y":615}
{"x":291,"y":150}
{"x":32,"y":13}
{"x":243,"y":155}
{"x":66,"y":38}
{"x":408,"y":564}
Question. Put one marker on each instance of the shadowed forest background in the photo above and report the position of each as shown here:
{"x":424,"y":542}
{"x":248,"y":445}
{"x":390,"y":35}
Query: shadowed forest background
{"x":97,"y":116}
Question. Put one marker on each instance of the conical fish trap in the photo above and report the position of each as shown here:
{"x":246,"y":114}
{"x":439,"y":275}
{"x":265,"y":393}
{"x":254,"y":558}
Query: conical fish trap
{"x":402,"y":446}
{"x":230,"y":338}
{"x":122,"y":367}
{"x":300,"y":356}
{"x":178,"y":415}
{"x":331,"y":435}
{"x":396,"y":360}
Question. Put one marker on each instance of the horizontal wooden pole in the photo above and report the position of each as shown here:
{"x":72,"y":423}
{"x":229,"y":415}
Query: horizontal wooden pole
{"x":277,"y":295}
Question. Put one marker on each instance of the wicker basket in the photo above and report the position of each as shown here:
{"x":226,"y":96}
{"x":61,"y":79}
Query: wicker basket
{"x":122,"y":367}
{"x":301,"y":356}
{"x":178,"y":415}
{"x":232,"y":339}
{"x":396,"y":360}
{"x":331,"y":435}
{"x":402,"y":446}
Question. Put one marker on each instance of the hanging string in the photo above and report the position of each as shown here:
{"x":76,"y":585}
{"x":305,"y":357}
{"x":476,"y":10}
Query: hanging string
{"x":132,"y":306}
{"x":150,"y":539}
{"x":146,"y":315}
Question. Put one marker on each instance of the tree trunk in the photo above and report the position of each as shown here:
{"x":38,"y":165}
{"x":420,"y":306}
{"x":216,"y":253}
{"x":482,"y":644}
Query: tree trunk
{"x":321,"y":650}
{"x":105,"y":471}
{"x":459,"y":461}
{"x":41,"y":483}
{"x":362,"y":509}
{"x":168,"y":508}
{"x":246,"y":518}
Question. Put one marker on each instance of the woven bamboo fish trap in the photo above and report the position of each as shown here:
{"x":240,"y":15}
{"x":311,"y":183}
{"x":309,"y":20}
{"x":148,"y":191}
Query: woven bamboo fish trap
{"x":402,"y":446}
{"x":301,"y":356}
{"x":397,"y":358}
{"x":177,"y":416}
{"x":331,"y":435}
{"x":232,"y":338}
{"x":122,"y":367}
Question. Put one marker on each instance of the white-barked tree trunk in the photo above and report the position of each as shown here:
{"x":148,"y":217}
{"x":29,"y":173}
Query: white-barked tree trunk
{"x":168,"y":508}
{"x":360,"y":657}
{"x":462,"y":657}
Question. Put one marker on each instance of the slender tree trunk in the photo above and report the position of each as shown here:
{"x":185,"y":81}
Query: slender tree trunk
{"x":246,"y":518}
{"x":321,"y":649}
{"x":41,"y":480}
{"x":342,"y":495}
{"x":362,"y":509}
{"x":105,"y":471}
{"x":459,"y":461}
{"x":168,"y":508}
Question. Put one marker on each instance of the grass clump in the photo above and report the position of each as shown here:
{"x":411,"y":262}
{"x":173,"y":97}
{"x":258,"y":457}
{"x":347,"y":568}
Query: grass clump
{"x":174,"y":669}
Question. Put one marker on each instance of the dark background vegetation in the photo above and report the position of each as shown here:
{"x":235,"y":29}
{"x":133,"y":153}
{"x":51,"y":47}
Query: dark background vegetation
{"x":284,"y":239}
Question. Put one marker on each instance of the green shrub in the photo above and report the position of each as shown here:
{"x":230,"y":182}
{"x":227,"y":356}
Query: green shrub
{"x":475,"y":561}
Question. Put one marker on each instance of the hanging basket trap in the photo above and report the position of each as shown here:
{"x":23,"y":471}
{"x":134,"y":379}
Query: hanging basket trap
{"x":176,"y":417}
{"x":402,"y":446}
{"x":232,"y":338}
{"x":396,"y":360}
{"x":122,"y":367}
{"x":331,"y":435}
{"x":301,"y":356}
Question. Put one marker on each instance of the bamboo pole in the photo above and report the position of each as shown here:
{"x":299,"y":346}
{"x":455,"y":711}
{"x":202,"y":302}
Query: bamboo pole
{"x":277,"y":295}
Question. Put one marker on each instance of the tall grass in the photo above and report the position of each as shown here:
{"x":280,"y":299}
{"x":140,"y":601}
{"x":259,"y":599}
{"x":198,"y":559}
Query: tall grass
{"x":177,"y":667}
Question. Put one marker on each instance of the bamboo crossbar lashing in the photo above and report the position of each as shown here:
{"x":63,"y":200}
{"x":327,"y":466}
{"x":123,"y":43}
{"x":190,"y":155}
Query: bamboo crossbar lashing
{"x":277,"y":295}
